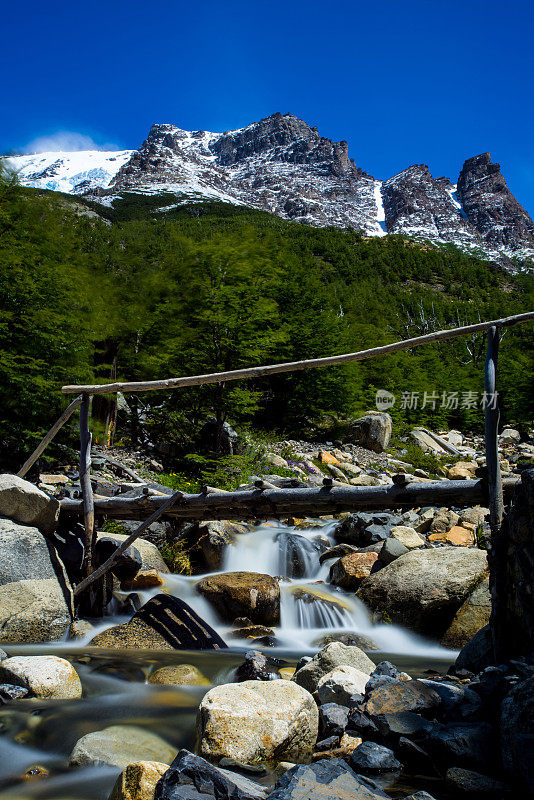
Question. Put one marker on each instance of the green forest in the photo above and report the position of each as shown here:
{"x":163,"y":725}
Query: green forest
{"x":147,"y":289}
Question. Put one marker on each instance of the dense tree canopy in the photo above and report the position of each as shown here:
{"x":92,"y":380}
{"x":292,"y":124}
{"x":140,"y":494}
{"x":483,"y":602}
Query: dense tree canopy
{"x":140,"y":293}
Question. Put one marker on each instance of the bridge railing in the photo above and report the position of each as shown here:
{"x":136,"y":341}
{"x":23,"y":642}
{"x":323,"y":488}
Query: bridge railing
{"x":225,"y":505}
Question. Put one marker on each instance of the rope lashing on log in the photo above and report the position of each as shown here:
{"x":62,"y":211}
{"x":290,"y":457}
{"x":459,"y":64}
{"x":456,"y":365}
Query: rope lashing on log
{"x":293,"y":366}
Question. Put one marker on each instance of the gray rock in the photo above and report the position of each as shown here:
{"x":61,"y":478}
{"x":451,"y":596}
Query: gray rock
{"x":119,"y":745}
{"x":457,"y":701}
{"x":372,"y":431}
{"x":333,"y":655}
{"x":214,"y":537}
{"x":473,"y":614}
{"x":473,"y":783}
{"x":10,"y":692}
{"x":477,"y":654}
{"x":150,"y":555}
{"x":371,"y":758}
{"x":472,"y":745}
{"x":33,"y":611}
{"x":25,"y":553}
{"x":257,"y":721}
{"x":509,"y":436}
{"x":327,"y":779}
{"x":399,"y":696}
{"x":23,"y":502}
{"x":340,"y":684}
{"x":390,"y":551}
{"x":337,"y":551}
{"x":164,"y":623}
{"x":48,"y":677}
{"x":423,"y":589}
{"x":333,"y":719}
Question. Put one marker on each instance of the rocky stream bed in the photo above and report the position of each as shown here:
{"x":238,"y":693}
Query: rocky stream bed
{"x":321,"y":659}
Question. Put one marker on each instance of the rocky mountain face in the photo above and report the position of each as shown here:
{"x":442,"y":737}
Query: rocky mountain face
{"x":282,"y":165}
{"x":492,"y":209}
{"x":279,"y":164}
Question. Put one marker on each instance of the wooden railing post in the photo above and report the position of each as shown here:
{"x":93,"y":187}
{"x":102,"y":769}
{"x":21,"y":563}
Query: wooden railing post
{"x":492,"y":432}
{"x":85,"y":483}
{"x":28,"y":464}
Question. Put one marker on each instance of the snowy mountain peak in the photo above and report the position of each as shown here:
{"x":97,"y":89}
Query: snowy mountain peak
{"x":282,"y":165}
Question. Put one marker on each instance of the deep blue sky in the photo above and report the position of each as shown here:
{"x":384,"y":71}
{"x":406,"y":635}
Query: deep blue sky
{"x":419,"y":81}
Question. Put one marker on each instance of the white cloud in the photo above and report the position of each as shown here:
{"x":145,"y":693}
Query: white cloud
{"x":66,"y":141}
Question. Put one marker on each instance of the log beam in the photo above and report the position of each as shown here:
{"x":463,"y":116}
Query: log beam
{"x":269,"y":503}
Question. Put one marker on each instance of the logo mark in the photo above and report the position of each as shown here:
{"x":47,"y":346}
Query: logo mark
{"x":384,"y":400}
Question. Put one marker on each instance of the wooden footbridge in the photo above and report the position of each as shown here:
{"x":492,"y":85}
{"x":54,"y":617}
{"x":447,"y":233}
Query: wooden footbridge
{"x":266,"y":500}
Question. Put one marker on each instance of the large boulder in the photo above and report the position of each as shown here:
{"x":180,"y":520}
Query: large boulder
{"x":473,"y":614}
{"x":328,"y":658}
{"x":26,"y":554}
{"x":243,"y":594}
{"x":258,"y":721}
{"x":191,"y":777}
{"x":149,"y":554}
{"x":33,"y":611}
{"x":23,"y":502}
{"x":517,"y":734}
{"x":138,"y":781}
{"x":372,"y":431}
{"x":477,"y":654}
{"x":48,"y":677}
{"x":119,"y":745}
{"x":164,"y":623}
{"x":423,"y":589}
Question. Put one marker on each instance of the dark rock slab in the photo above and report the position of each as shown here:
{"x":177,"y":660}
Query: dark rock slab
{"x":164,"y":623}
{"x":257,"y":667}
{"x":333,"y":719}
{"x":371,"y":758}
{"x":327,"y":779}
{"x":401,"y":696}
{"x":191,"y":777}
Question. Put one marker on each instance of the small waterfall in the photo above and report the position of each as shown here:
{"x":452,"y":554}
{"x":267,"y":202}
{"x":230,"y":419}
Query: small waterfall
{"x":314,"y":612}
{"x":277,"y":551}
{"x":298,"y":556}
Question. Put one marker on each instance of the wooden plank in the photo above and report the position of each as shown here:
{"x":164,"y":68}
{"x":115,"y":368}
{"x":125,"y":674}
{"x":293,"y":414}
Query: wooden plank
{"x":270,"y":503}
{"x":292,"y":366}
{"x":106,"y":566}
{"x":45,"y":441}
{"x":87,"y":503}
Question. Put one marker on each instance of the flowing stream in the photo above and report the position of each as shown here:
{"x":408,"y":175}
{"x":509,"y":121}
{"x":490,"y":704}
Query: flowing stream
{"x":43,"y":733}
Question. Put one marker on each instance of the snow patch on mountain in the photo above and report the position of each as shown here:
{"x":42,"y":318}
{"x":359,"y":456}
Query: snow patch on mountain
{"x":73,"y":173}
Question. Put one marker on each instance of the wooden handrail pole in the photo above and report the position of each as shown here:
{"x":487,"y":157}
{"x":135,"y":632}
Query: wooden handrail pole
{"x":491,"y":432}
{"x":85,"y":483}
{"x":294,"y":366}
{"x":45,"y":441}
